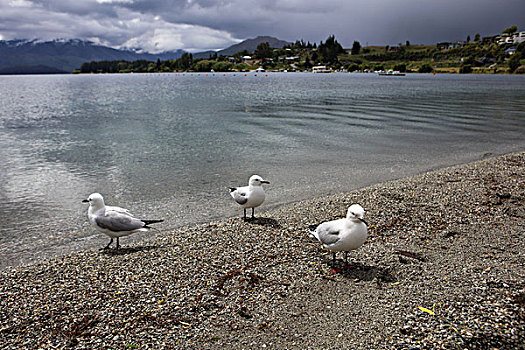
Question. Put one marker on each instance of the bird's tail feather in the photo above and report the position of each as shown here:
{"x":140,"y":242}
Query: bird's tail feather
{"x":149,"y":222}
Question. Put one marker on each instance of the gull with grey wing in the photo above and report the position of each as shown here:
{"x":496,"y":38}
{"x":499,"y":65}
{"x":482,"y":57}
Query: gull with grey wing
{"x":343,"y":234}
{"x":250,"y":196}
{"x":114,"y":222}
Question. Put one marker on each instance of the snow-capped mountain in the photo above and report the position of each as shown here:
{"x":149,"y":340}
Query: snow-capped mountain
{"x":64,"y":56}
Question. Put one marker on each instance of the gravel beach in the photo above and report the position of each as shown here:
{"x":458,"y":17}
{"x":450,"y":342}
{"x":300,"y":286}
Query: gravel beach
{"x":443,"y":268}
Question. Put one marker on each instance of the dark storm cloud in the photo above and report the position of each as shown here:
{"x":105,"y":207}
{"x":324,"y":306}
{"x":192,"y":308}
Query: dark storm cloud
{"x":213,"y":24}
{"x":373,"y":21}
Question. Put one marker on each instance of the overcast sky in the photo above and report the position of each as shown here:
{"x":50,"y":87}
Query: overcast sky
{"x":198,"y":25}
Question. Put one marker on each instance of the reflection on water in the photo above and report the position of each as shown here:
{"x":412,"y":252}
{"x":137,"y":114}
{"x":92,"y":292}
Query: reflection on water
{"x":169,"y":145}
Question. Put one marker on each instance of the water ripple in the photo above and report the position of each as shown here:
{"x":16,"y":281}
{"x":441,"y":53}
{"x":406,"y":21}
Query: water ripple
{"x":151,"y":141}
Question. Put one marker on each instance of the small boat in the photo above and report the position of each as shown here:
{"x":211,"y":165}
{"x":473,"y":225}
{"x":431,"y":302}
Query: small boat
{"x":391,"y":73}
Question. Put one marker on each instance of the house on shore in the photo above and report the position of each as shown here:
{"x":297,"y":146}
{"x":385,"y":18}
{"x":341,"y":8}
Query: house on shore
{"x":510,"y":51}
{"x":448,"y":46}
{"x":514,"y":38}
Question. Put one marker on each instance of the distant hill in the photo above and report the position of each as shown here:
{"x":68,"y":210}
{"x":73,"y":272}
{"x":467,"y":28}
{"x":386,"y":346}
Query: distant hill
{"x":64,"y":56}
{"x":56,"y":56}
{"x":205,"y":54}
{"x":249,"y":45}
{"x":40,"y":69}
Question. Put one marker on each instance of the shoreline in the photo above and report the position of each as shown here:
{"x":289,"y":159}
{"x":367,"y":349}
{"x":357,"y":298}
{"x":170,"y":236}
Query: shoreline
{"x":437,"y":70}
{"x":81,"y":236}
{"x":244,"y":285}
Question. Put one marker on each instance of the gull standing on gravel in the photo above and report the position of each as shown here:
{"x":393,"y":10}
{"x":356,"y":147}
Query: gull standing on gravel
{"x":115,"y":222}
{"x":250,"y":196}
{"x":344,"y":234}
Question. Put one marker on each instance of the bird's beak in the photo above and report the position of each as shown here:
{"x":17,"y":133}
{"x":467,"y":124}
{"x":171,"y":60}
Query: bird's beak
{"x":363,"y":220}
{"x":85,"y":201}
{"x":265,"y":182}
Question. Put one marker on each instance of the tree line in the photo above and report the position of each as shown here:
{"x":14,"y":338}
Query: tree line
{"x":270,"y":58}
{"x":303,"y":55}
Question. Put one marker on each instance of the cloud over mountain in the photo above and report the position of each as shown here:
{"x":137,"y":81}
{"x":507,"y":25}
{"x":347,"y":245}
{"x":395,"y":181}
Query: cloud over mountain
{"x":198,"y":25}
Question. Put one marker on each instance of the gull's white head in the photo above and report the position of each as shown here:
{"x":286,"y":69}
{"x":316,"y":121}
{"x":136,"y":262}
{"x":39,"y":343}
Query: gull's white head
{"x":356,"y":212}
{"x":95,"y":200}
{"x":256,"y":180}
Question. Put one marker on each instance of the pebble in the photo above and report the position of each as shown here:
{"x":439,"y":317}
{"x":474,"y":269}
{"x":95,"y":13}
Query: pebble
{"x":236,"y":284}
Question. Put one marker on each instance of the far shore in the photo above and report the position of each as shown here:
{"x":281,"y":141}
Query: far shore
{"x":443,"y":268}
{"x":449,"y":70}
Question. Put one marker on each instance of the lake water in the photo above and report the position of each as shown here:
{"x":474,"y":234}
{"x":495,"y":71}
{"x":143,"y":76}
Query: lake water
{"x":169,"y":145}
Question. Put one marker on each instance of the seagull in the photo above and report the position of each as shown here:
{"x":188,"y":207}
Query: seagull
{"x":114,"y":222}
{"x":250,"y":196}
{"x":344,"y":234}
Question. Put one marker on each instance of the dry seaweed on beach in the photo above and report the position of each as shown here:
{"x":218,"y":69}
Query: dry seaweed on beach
{"x":443,"y":268}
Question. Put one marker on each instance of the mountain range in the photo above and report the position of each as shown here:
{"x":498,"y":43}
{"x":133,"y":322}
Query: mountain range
{"x":64,"y":56}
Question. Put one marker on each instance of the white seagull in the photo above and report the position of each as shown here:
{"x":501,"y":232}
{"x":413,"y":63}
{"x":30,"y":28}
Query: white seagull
{"x":344,"y":234}
{"x":115,"y":222}
{"x":250,"y":196}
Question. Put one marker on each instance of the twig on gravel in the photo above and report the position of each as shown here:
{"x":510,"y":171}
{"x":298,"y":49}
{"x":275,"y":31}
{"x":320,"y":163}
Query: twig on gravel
{"x":410,"y":255}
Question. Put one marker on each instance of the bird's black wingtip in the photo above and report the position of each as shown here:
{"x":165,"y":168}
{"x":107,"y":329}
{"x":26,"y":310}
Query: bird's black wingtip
{"x":149,"y":222}
{"x":312,"y":227}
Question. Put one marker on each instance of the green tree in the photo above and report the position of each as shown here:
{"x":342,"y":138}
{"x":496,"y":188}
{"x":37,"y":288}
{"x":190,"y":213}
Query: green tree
{"x":520,"y":50}
{"x":353,"y":67}
{"x":330,"y":50}
{"x":468,"y":38}
{"x":203,"y":66}
{"x":307,"y":64}
{"x":469,"y":60}
{"x":426,"y":68}
{"x":465,"y":69}
{"x":241,"y":67}
{"x":510,"y":30}
{"x":514,"y":61}
{"x":477,"y":37}
{"x":238,"y":55}
{"x":185,"y":62}
{"x":407,"y":44}
{"x":356,"y":48}
{"x":401,"y":67}
{"x":222,"y":66}
{"x":263,"y":50}
{"x":152,"y":67}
